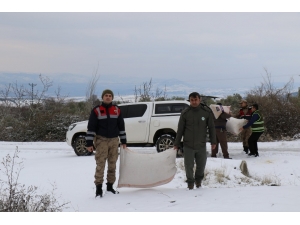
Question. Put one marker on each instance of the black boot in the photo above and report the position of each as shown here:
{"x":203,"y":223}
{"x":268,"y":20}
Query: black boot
{"x":190,"y":186}
{"x":99,"y":191}
{"x":246,"y":149}
{"x":110,"y":188}
{"x":198,"y":183}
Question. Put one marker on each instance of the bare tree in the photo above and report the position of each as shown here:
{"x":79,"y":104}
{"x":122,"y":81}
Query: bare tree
{"x":144,"y":93}
{"x":91,"y":97}
{"x":161,"y":95}
{"x":19,"y":92}
{"x":59,"y":98}
{"x":122,"y":99}
{"x":39,"y":96}
{"x":4,"y":95}
{"x":268,"y":89}
{"x":136,"y":95}
{"x":277,"y":107}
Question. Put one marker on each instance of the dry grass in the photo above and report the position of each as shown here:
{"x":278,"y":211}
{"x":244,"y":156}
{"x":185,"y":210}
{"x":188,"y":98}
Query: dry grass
{"x":220,"y":176}
{"x":245,"y":180}
{"x":15,"y":197}
{"x":270,"y":181}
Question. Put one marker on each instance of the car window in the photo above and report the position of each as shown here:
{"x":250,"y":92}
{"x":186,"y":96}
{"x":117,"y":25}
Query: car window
{"x":169,"y":108}
{"x":123,"y":109}
{"x":130,"y":111}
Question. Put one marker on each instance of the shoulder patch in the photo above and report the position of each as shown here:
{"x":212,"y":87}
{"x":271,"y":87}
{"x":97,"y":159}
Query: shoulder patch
{"x":206,"y":108}
{"x":117,"y":110}
{"x":185,"y":110}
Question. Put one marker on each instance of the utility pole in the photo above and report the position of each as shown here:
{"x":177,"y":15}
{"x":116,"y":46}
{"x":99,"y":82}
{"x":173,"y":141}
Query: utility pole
{"x":32,"y":85}
{"x":298,"y":91}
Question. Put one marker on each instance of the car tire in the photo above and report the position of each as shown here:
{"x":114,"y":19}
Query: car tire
{"x":165,"y":142}
{"x":79,"y":146}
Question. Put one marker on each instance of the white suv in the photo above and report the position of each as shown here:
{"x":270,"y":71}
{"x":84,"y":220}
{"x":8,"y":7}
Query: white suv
{"x":146,"y":124}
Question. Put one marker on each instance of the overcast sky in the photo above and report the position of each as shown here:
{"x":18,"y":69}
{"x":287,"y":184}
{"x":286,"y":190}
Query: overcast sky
{"x":219,"y":49}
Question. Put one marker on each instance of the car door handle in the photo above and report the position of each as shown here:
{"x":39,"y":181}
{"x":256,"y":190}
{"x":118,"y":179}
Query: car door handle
{"x":142,"y":121}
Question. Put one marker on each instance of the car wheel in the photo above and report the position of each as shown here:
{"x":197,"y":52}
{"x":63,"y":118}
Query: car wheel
{"x":165,"y":142}
{"x":79,"y":146}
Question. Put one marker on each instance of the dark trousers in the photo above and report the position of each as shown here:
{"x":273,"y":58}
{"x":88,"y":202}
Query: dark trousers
{"x":192,"y":156}
{"x":252,"y":141}
{"x":222,"y":140}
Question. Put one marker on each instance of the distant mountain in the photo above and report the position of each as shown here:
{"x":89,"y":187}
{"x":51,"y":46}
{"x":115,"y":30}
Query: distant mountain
{"x":75,"y":85}
{"x":295,"y":94}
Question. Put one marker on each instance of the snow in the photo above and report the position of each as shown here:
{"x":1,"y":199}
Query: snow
{"x":48,"y":163}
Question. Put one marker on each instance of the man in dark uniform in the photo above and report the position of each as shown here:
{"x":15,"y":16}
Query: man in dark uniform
{"x":105,"y":127}
{"x":221,"y":136}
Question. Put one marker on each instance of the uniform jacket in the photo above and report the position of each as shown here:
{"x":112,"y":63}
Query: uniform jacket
{"x":256,"y":122}
{"x":222,"y":120}
{"x":105,"y":120}
{"x":245,"y":113}
{"x":192,"y":126}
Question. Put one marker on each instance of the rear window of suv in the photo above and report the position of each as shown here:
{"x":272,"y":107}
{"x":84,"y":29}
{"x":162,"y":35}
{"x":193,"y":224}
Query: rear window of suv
{"x":130,"y":111}
{"x":169,"y":108}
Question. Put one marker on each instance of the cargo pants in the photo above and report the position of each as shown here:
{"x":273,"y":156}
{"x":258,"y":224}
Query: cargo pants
{"x":106,"y":150}
{"x":245,"y":134}
{"x":222,"y":140}
{"x":192,"y":156}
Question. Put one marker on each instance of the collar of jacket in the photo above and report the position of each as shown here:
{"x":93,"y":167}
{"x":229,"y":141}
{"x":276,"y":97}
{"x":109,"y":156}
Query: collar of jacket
{"x":196,"y":108}
{"x":106,"y":105}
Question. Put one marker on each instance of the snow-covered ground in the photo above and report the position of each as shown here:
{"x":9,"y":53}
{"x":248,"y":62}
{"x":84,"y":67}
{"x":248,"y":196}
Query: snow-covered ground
{"x":278,"y":167}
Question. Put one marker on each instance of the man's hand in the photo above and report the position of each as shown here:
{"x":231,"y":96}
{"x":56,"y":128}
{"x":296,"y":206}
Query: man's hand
{"x":90,"y":149}
{"x":213,"y":146}
{"x":241,"y":129}
{"x":124,"y":146}
{"x":175,"y":147}
{"x":221,"y":107}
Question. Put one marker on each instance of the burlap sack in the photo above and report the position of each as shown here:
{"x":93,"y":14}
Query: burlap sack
{"x":141,"y":170}
{"x":217,"y":110}
{"x":233,"y":125}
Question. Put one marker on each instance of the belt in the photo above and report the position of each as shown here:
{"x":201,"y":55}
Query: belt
{"x":220,"y":128}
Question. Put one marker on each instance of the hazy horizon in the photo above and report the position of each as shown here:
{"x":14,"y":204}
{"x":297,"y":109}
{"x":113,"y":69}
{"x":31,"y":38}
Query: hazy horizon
{"x":203,"y":50}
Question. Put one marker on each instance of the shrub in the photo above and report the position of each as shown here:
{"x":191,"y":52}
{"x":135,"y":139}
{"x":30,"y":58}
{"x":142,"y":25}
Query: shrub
{"x":15,"y":197}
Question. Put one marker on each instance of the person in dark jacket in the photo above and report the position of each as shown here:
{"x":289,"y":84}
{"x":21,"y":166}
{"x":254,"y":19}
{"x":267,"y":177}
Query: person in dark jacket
{"x":257,"y":127}
{"x":105,"y":127}
{"x":221,"y":136}
{"x":192,"y":126}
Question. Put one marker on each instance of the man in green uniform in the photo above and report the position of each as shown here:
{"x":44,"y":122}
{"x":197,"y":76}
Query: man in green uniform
{"x":192,"y":126}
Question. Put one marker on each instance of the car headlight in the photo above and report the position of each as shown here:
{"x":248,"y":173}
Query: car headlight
{"x":72,"y":126}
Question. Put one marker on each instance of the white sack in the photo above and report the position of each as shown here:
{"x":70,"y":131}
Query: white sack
{"x":217,"y":110}
{"x":141,"y":170}
{"x":233,"y":125}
